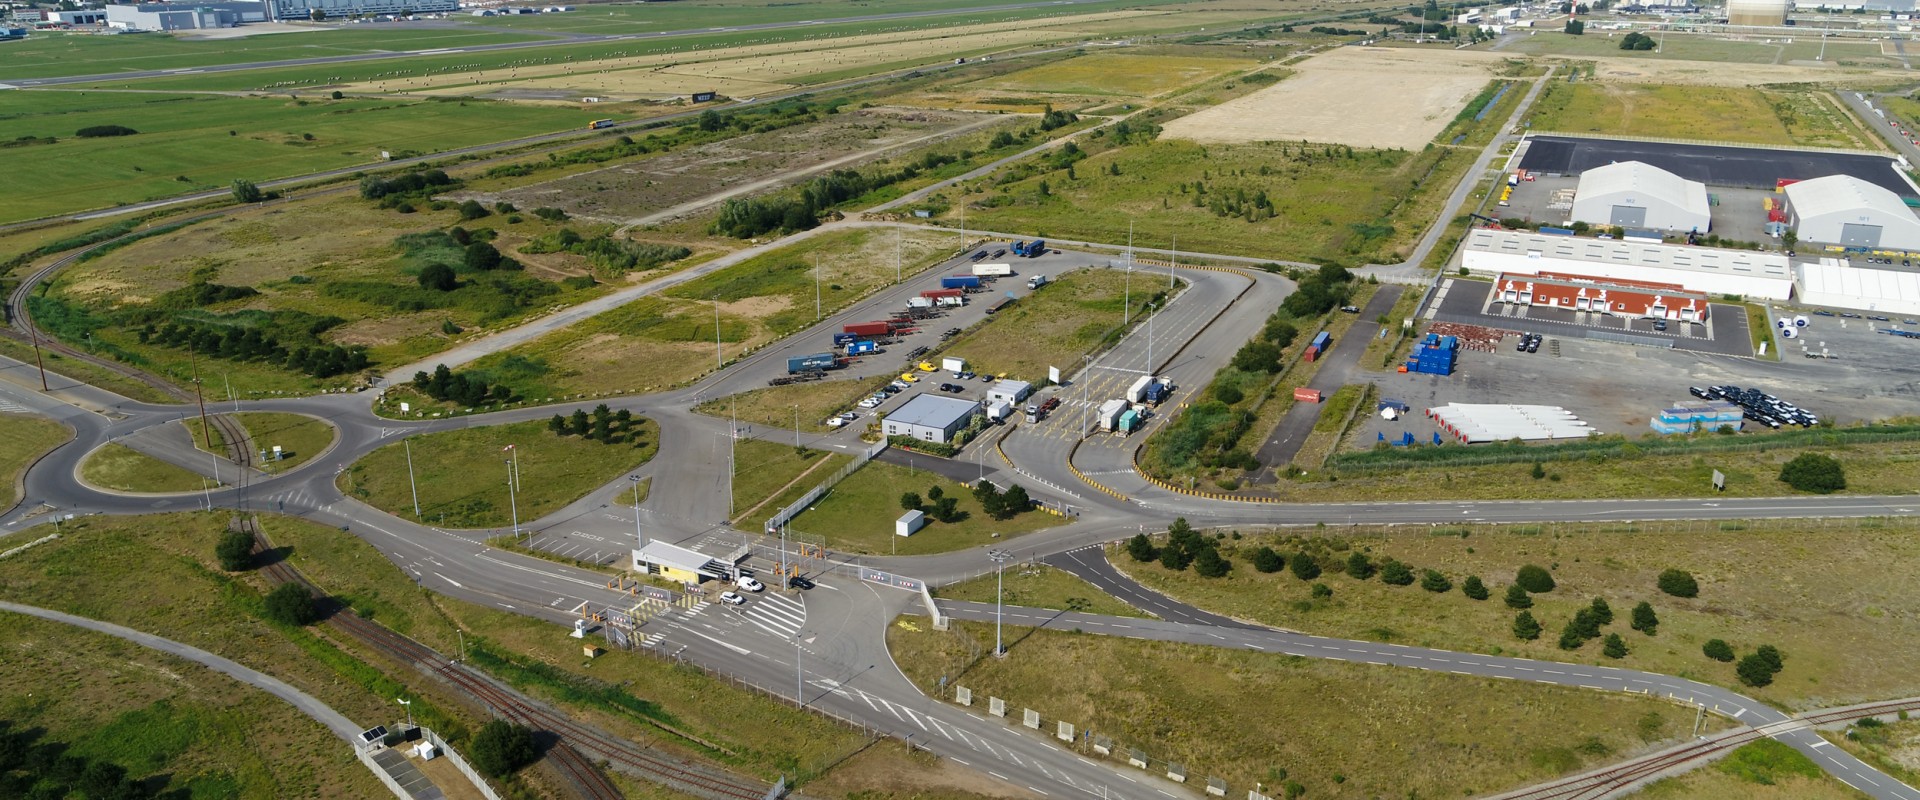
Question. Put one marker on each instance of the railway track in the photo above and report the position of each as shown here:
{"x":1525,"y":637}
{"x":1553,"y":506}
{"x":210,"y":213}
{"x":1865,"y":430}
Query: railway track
{"x":579,"y":745}
{"x":1604,"y":782}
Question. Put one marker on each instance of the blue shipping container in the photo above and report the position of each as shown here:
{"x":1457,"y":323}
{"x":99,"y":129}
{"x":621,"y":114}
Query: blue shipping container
{"x":1037,"y":248}
{"x":815,"y":361}
{"x":840,"y":339}
{"x":960,"y":282}
{"x":856,"y":348}
{"x":1557,"y":231}
{"x":1322,"y":340}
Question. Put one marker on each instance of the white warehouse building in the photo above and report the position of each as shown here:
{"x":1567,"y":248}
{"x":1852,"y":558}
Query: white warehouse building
{"x":930,"y":418}
{"x":1698,"y":269}
{"x":1834,"y":282}
{"x":1844,"y":210}
{"x":1630,"y":194}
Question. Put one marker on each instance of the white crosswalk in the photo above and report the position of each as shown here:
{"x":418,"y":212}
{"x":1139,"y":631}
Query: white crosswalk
{"x":779,"y":615}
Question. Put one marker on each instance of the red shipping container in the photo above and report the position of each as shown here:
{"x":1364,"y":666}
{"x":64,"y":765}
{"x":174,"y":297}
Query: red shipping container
{"x":1306,"y":395}
{"x":1311,"y":353}
{"x":867,"y":328}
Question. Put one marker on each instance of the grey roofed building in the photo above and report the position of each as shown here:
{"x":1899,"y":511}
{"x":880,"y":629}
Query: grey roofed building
{"x":1631,"y":194}
{"x":930,"y":418}
{"x":1844,"y":210}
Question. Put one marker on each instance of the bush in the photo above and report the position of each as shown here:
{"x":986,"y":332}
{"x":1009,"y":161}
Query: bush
{"x":1754,"y":671}
{"x":99,"y":131}
{"x":1304,"y":567}
{"x":909,"y":501}
{"x":439,"y":278}
{"x":1432,"y":581}
{"x":1602,"y":613}
{"x":1268,"y":561}
{"x":1772,"y":656}
{"x":1322,"y":591}
{"x":1474,"y":589}
{"x":1644,"y":620}
{"x":1394,"y":573}
{"x":1718,"y":650}
{"x":1141,"y":548}
{"x":1175,"y":558}
{"x":1679,"y":583}
{"x":291,"y":604}
{"x":472,"y":210}
{"x":1359,"y":567}
{"x":1525,"y":627}
{"x":1518,"y":597}
{"x":1209,"y":564}
{"x":501,"y":748}
{"x":1813,"y":472}
{"x":1535,"y":578}
{"x":1614,"y":646}
{"x":235,"y":551}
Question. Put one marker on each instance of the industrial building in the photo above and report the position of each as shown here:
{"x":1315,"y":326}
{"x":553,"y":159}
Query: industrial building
{"x":1696,"y":269}
{"x":1834,"y":282}
{"x":1694,"y":416}
{"x":1009,"y":391}
{"x":1632,"y":194}
{"x":1757,"y":12}
{"x":1844,"y":210}
{"x":1616,"y":298}
{"x":185,"y":16}
{"x":676,"y":563}
{"x":335,"y":9}
{"x":930,"y":418}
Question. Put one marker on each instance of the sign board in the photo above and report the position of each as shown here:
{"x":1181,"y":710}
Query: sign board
{"x":656,"y":593}
{"x":890,"y":579}
{"x":963,"y":695}
{"x":1719,"y":480}
{"x":704,"y":97}
{"x":621,"y":619}
{"x":1065,"y":732}
{"x":1053,"y":375}
{"x":1030,"y":718}
{"x":996,"y":706}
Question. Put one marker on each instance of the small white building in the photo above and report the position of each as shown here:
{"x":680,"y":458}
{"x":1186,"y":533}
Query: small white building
{"x":910,"y":523}
{"x":1010,"y":391}
{"x":1631,"y":194}
{"x":1844,"y":210}
{"x":930,"y":418}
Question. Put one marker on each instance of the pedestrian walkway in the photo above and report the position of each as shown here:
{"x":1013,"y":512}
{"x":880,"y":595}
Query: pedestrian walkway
{"x":777,"y":614}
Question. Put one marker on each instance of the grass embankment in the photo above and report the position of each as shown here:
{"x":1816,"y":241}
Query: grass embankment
{"x":857,"y":516}
{"x":1820,"y":593}
{"x":636,"y":493}
{"x":667,"y":339}
{"x":53,"y":54}
{"x":1715,"y":113}
{"x":1383,"y":355}
{"x":298,"y":436}
{"x":461,"y":474}
{"x":1422,"y":733}
{"x":124,"y":469}
{"x":23,"y":440}
{"x":1077,"y":313}
{"x":1886,"y":745}
{"x":774,"y":406}
{"x":768,"y":476}
{"x":1760,"y":328}
{"x":170,"y":723}
{"x":1763,"y":770}
{"x":83,"y":372}
{"x":1040,"y":586}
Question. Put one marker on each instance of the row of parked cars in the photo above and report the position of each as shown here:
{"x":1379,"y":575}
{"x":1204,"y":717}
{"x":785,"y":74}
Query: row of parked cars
{"x":1529,"y":343}
{"x":1759,"y":407}
{"x":1851,"y":315}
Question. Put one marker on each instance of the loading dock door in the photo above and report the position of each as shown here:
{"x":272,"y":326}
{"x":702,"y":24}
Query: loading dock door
{"x":1855,"y":234}
{"x":1628,"y":217}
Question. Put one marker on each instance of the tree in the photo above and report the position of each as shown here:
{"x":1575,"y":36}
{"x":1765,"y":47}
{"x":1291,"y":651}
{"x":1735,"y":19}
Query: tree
{"x":580,"y":422}
{"x":1014,"y":501}
{"x":557,"y":425}
{"x":1679,"y":583}
{"x":1322,"y":591}
{"x":1614,"y":646}
{"x":1539,"y":470}
{"x":1717,"y":649}
{"x":317,"y":15}
{"x":1602,"y":613}
{"x":1814,"y":472}
{"x":235,"y":551}
{"x":1394,"y":573}
{"x":1575,"y":27}
{"x":1209,"y":564}
{"x":1359,"y":567}
{"x":1304,"y":567}
{"x":1267,"y":560}
{"x":1644,"y":620}
{"x":934,"y":492}
{"x":501,"y":748}
{"x":482,"y":257}
{"x":1586,"y":623}
{"x":1141,"y":548}
{"x":1570,"y":638}
{"x":910,"y":501}
{"x":1772,"y":656}
{"x":290,"y":604}
{"x":710,"y":121}
{"x":947,"y":509}
{"x":246,"y":192}
{"x":989,"y":498}
{"x":1474,"y":589}
{"x":1754,"y":671}
{"x":1525,"y":627}
{"x":1174,"y":558}
{"x":1257,"y":357}
{"x":1432,"y":581}
{"x":1535,"y":578}
{"x":439,"y":278}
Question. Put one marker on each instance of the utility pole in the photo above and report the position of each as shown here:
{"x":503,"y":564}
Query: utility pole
{"x":896,"y":255}
{"x":796,"y":427}
{"x":1086,"y":371}
{"x":230,"y":398}
{"x":409,"y":705}
{"x":1127,"y":303}
{"x":816,"y":292}
{"x":799,"y":699}
{"x":37,"y":361}
{"x":516,"y":465}
{"x":999,"y":589}
{"x":513,"y":500}
{"x":1150,"y":309}
{"x":206,"y":430}
{"x":639,"y":537}
{"x":718,"y":359}
{"x":1172,"y":260}
{"x":408,"y":443}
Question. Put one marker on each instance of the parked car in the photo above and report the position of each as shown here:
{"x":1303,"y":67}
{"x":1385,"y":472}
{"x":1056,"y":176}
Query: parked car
{"x":836,"y":422}
{"x":732,"y":599}
{"x":1350,"y":309}
{"x":1823,"y":313}
{"x":748,"y":583}
{"x":799,"y":582}
{"x":848,"y":416}
{"x":980,"y":255}
{"x":1878,"y":318}
{"x":1659,"y":324}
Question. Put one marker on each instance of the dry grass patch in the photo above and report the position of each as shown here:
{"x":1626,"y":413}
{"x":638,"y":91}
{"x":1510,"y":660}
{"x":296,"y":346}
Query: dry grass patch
{"x":1717,"y":113}
{"x":1113,"y":74}
{"x":1040,"y":586}
{"x":23,"y":440}
{"x":1077,"y":313}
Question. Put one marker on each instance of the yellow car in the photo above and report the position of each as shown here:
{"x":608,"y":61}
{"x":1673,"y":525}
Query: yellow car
{"x":909,"y":377}
{"x":927,"y":366}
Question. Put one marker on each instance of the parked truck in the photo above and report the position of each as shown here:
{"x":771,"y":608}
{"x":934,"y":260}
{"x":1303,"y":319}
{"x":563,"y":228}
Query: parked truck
{"x":815,"y":361}
{"x":844,"y":339}
{"x":1109,"y":414}
{"x":862,"y":348}
{"x":952,"y":364}
{"x":1130,"y":421}
{"x":1036,"y":281}
{"x":867,"y":328}
{"x":951,"y":301}
{"x":1138,"y":391}
{"x":960,"y":282}
{"x":992,"y":270}
{"x":1158,"y":391}
{"x":919,"y":302}
{"x":1036,"y":248}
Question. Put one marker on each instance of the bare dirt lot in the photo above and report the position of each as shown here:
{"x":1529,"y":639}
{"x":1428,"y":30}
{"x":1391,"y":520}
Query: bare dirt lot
{"x":634,"y":191}
{"x":1360,"y":96}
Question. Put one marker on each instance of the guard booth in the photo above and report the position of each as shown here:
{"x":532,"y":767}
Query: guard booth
{"x":679,"y":564}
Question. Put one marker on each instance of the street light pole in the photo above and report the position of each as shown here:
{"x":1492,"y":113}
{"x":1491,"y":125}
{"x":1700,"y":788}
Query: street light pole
{"x":1086,"y":371}
{"x":408,"y":443}
{"x":639,"y":537}
{"x":1150,"y":309}
{"x":1171,"y":260}
{"x":799,"y":698}
{"x":513,"y":500}
{"x":516,"y":466}
{"x":409,"y":705}
{"x":796,"y":427}
{"x":999,"y":586}
{"x":718,"y":359}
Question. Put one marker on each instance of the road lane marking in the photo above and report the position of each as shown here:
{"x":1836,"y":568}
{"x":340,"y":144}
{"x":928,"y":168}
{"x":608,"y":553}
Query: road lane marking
{"x":449,"y":580}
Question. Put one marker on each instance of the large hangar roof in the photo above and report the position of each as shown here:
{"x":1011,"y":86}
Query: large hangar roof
{"x":1844,"y":193}
{"x":1635,"y":177}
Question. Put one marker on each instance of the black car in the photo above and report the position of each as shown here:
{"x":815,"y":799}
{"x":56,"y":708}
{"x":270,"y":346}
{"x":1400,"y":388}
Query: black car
{"x":799,"y":582}
{"x":1533,"y":345}
{"x":1823,"y":313}
{"x":916,"y":353}
{"x":1525,"y":339}
{"x":1000,"y":252}
{"x":980,"y":255}
{"x":1850,"y":316}
{"x":1878,"y":318}
{"x":1659,"y":324}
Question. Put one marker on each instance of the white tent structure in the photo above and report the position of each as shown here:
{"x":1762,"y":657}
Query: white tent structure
{"x":1844,"y":210}
{"x":1835,"y":283}
{"x":1499,"y":422}
{"x":1632,"y":194}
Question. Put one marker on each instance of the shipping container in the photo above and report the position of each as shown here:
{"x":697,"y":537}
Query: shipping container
{"x":809,"y":362}
{"x":843,"y":339}
{"x":1312,"y":353}
{"x":992,"y":270}
{"x":1322,"y":340}
{"x":1129,"y":421}
{"x":867,"y":328}
{"x":1306,"y":395}
{"x":1158,"y":391}
{"x":952,"y":364}
{"x":1137,"y":393}
{"x":861,"y":348}
{"x":1110,"y":412}
{"x":960,"y":282}
{"x":939,"y":293}
{"x":1036,"y":248}
{"x":949,"y":302}
{"x":919,"y":302}
{"x":1556,"y":231}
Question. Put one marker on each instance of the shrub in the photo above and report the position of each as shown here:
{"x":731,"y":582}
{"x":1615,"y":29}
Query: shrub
{"x":1175,"y":558}
{"x":501,"y":748}
{"x":439,"y":278}
{"x":291,"y":604}
{"x":1772,"y":656}
{"x":1525,"y":627}
{"x":1359,"y":567}
{"x":1141,"y":548}
{"x":1304,"y":567}
{"x":1718,"y":650}
{"x":1394,"y":573}
{"x":909,"y":501}
{"x":1614,"y":646}
{"x":244,"y":191}
{"x":235,"y":551}
{"x":1679,"y":583}
{"x":472,"y":210}
{"x":1535,"y":578}
{"x":99,"y":131}
{"x":1209,"y":564}
{"x":1644,"y":620}
{"x":1518,"y":597}
{"x":1474,"y":589}
{"x":1754,"y":671}
{"x":1813,"y":472}
{"x":1432,"y":581}
{"x":1322,"y":591}
{"x":1602,"y":613}
{"x":1268,"y":561}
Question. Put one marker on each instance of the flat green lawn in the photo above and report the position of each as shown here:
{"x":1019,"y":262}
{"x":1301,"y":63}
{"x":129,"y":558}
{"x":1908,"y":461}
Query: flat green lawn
{"x":1684,"y":47}
{"x":858,"y":515}
{"x":190,"y":143}
{"x":48,"y":55}
{"x":1340,"y":730}
{"x":1075,"y":314}
{"x":462,"y":474}
{"x":1113,"y":74}
{"x":1795,"y":585}
{"x":23,"y":439}
{"x":298,"y":436}
{"x":768,"y":475}
{"x":773,"y":406}
{"x":1762,"y":770}
{"x":1041,"y":586}
{"x":1718,"y":113}
{"x":124,"y":469}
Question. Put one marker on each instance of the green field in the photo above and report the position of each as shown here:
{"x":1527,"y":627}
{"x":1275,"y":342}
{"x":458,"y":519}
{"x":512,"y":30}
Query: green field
{"x":857,"y":515}
{"x":23,"y":440}
{"x":462,"y":474}
{"x":190,"y":143}
{"x":1339,"y":730}
{"x":1796,"y":585}
{"x":1763,"y":770}
{"x":1113,"y":74}
{"x":1039,"y":586}
{"x":49,"y":54}
{"x":768,"y":476}
{"x":774,"y":406}
{"x":1686,"y":47}
{"x":1716,"y":113}
{"x":298,"y":436}
{"x":1077,"y":313}
{"x":124,"y":469}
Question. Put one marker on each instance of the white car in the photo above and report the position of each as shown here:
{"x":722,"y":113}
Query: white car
{"x":871,"y":402}
{"x":836,"y":422}
{"x":732,"y":599}
{"x":748,"y":583}
{"x":848,"y":416}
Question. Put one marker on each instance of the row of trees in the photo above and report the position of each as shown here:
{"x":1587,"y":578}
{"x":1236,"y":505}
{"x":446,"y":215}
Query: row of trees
{"x":604,"y":426}
{"x":463,"y":388}
{"x":252,"y":344}
{"x":606,"y":253}
{"x":742,"y":218}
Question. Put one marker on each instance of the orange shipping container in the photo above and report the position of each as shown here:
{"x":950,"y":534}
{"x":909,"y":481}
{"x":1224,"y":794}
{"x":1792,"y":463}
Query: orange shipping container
{"x":1306,"y":395}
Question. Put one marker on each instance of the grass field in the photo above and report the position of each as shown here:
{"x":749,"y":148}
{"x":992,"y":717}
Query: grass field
{"x":124,"y":469}
{"x":1077,"y":313}
{"x":1887,"y":745}
{"x":1763,"y":770}
{"x":1040,"y":586}
{"x":767,"y":476}
{"x":774,"y":405}
{"x":48,"y":54}
{"x":1797,"y":585}
{"x":1674,"y":47}
{"x":667,"y":339}
{"x":858,"y":515}
{"x":298,"y":436}
{"x":1716,"y":113}
{"x":171,"y":723}
{"x":1338,"y":730}
{"x":23,"y":440}
{"x":192,"y":143}
{"x":1113,"y":75}
{"x":462,"y":473}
